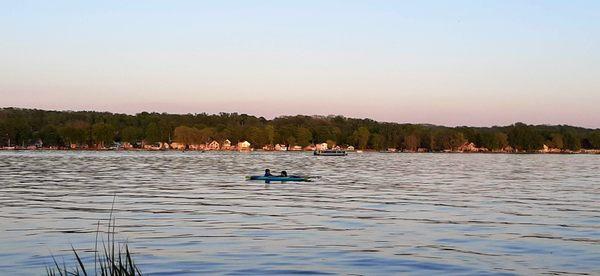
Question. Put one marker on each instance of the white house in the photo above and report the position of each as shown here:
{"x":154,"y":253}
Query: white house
{"x":214,"y":145}
{"x":245,"y":145}
{"x":295,"y":148}
{"x":279,"y":147}
{"x":322,"y":146}
{"x":226,"y":145}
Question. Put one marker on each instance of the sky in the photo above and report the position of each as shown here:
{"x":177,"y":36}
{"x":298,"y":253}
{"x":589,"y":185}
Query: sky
{"x":477,"y":63}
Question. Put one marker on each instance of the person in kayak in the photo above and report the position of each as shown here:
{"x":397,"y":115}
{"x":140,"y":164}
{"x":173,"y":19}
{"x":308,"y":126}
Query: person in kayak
{"x":268,"y":173}
{"x":285,"y":174}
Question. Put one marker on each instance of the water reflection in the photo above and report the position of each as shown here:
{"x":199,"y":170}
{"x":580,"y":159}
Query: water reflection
{"x":191,"y":213}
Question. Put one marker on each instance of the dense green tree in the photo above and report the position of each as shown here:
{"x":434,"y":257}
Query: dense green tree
{"x":206,"y":135}
{"x":256,"y":136}
{"x":525,"y":138}
{"x":571,"y":141}
{"x":502,"y":140}
{"x":270,"y":134}
{"x":361,"y":136}
{"x":493,"y":140}
{"x":377,"y":141}
{"x":103,"y":134}
{"x":132,"y":134}
{"x":412,"y":142}
{"x":153,"y":134}
{"x":49,"y":135}
{"x":55,"y":128}
{"x":557,"y":141}
{"x":303,"y":136}
{"x":75,"y":132}
{"x":187,"y":135}
{"x":594,"y":139}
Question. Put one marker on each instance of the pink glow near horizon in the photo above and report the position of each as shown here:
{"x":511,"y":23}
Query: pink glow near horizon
{"x":481,"y":116}
{"x":442,"y":63}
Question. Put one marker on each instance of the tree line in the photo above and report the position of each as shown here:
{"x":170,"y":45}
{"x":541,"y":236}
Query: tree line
{"x":100,"y":129}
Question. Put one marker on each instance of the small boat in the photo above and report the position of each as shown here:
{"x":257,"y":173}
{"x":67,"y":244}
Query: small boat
{"x":291,"y":178}
{"x":330,"y":153}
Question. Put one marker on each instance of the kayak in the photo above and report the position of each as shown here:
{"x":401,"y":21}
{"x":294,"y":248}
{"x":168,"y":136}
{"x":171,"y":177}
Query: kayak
{"x":330,"y":153}
{"x":291,"y":178}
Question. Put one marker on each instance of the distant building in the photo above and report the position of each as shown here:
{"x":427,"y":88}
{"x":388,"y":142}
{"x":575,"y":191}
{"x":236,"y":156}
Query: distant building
{"x":279,"y":147}
{"x":243,"y":146}
{"x":174,"y":145}
{"x":152,"y":147}
{"x":547,"y":149}
{"x":322,"y":146}
{"x":268,"y":147}
{"x":467,"y":147}
{"x":214,"y":145}
{"x":127,"y":146}
{"x":295,"y":148}
{"x":350,"y":148}
{"x":226,"y":145}
{"x":164,"y":146}
{"x":470,"y":147}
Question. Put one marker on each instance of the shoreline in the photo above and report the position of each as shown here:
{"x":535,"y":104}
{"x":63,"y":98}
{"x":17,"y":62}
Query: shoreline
{"x":584,"y":151}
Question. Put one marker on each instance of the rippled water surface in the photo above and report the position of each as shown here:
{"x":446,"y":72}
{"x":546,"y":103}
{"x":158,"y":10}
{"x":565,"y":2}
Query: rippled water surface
{"x":368,"y":213}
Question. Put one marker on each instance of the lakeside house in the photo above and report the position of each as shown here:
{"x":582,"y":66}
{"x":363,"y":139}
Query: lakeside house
{"x":547,"y":149}
{"x":470,"y":147}
{"x":268,"y":147}
{"x":214,"y":145}
{"x":156,"y":146}
{"x":244,"y":146}
{"x":175,"y":145}
{"x":226,"y":145}
{"x":321,"y":146}
{"x":295,"y":148}
{"x":279,"y":147}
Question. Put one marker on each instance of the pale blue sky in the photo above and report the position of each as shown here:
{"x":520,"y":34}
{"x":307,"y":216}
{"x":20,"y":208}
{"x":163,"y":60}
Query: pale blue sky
{"x":443,"y":62}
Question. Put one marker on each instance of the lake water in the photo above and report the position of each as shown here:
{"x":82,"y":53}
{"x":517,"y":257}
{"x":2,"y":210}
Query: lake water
{"x":369,"y":213}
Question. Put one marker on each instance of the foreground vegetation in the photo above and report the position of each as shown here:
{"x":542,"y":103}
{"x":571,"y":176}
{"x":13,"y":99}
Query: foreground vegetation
{"x":25,"y":127}
{"x":114,"y":259}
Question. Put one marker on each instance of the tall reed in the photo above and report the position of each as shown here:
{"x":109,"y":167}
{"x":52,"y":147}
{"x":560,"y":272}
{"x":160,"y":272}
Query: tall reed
{"x":114,"y":260}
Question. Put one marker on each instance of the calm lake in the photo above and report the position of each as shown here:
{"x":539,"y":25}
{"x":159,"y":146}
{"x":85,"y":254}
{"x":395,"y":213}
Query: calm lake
{"x":370,"y":213}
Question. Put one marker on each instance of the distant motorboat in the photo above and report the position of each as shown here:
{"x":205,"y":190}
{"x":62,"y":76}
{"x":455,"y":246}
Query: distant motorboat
{"x":330,"y":153}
